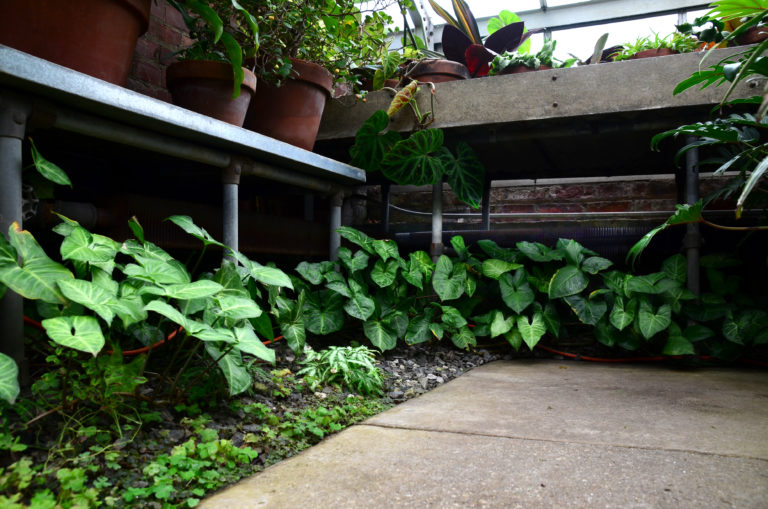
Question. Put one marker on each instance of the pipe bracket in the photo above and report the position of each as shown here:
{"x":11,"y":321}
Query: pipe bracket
{"x":13,"y":117}
{"x":231,"y":174}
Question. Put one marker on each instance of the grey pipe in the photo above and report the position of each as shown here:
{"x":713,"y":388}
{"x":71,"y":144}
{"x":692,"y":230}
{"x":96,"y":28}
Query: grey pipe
{"x":692,"y":240}
{"x":436,"y":249}
{"x":486,"y":206}
{"x":230,"y":215}
{"x":335,"y":238}
{"x":13,"y":119}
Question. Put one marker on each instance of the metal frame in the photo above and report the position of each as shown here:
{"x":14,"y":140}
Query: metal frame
{"x":70,"y":101}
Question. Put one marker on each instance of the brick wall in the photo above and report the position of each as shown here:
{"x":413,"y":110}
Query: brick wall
{"x":155,"y":50}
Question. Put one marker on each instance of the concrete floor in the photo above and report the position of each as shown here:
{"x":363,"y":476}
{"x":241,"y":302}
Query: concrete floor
{"x":542,"y":434}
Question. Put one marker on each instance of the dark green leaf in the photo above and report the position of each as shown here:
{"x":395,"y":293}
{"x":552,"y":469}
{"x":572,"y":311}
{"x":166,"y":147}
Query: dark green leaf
{"x":415,"y":160}
{"x":568,"y":280}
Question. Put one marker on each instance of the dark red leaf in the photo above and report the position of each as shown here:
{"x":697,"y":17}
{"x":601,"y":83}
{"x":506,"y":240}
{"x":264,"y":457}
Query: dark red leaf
{"x":478,"y":60}
{"x":455,"y":44}
{"x":507,"y":38}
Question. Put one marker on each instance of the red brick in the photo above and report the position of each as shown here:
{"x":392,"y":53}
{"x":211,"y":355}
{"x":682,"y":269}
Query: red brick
{"x":650,"y":204}
{"x":169,"y":35}
{"x":566,"y":192}
{"x":512,"y":207}
{"x":149,"y":73}
{"x":560,"y":207}
{"x":611,"y":206}
{"x":174,"y":18}
{"x":147,"y":48}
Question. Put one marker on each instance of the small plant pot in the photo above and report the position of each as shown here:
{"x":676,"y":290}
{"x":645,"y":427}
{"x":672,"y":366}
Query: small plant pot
{"x":206,"y":87}
{"x":292,"y":111}
{"x":650,"y":53}
{"x":95,"y":37}
{"x":436,"y":70}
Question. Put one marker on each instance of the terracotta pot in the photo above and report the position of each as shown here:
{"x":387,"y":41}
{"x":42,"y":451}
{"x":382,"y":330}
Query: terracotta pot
{"x":517,"y":69}
{"x":95,"y":37}
{"x":206,"y":87}
{"x":292,"y":111}
{"x":649,"y":53}
{"x":437,"y":70}
{"x":753,"y":35}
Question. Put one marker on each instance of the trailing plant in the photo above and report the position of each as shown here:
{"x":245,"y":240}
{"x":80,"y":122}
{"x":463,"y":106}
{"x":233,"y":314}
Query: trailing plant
{"x":545,"y":57}
{"x":353,"y":367}
{"x":462,"y":41}
{"x":738,"y":138}
{"x":419,"y":159}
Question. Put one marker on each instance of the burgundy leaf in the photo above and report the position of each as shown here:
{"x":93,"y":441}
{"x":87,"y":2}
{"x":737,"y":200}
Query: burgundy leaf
{"x":507,"y":38}
{"x":455,"y":44}
{"x":478,"y":60}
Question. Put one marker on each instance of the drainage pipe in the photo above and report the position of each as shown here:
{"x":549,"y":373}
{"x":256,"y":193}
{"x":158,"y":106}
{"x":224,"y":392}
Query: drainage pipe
{"x":692,"y":240}
{"x":386,"y":196}
{"x":335,"y":239}
{"x":486,"y":210}
{"x":230,"y":181}
{"x":436,"y":249}
{"x":13,"y":124}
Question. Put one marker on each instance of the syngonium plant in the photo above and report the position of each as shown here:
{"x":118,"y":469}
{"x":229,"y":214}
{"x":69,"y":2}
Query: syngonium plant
{"x":462,"y":41}
{"x":419,"y":159}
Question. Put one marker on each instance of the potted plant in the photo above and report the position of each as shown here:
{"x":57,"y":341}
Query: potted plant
{"x":305,"y":47}
{"x":462,"y":42}
{"x":208,"y":77}
{"x":657,"y":46}
{"x":94,"y":37}
{"x":516,"y":62}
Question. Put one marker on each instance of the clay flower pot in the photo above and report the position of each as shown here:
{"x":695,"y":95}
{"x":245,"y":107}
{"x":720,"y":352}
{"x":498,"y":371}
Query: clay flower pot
{"x":437,"y":70}
{"x":650,"y":53}
{"x":95,"y":37}
{"x":206,"y":87}
{"x":753,"y":35}
{"x":292,"y":111}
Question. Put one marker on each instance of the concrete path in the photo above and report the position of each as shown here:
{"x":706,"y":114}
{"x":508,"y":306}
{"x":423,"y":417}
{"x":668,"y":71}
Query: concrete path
{"x":541,"y":434}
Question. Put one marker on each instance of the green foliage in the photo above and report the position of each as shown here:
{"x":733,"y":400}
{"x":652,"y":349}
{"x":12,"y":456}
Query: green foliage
{"x":419,"y":159}
{"x":680,"y":42}
{"x":353,"y":367}
{"x":545,"y":56}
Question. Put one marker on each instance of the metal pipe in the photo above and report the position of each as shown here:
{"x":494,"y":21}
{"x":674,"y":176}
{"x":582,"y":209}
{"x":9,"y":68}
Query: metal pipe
{"x":486,"y":210}
{"x":13,"y":120}
{"x":263,"y":170}
{"x":230,"y":216}
{"x":692,"y":241}
{"x":436,"y":249}
{"x":386,"y":198}
{"x":96,"y":127}
{"x":335,"y":239}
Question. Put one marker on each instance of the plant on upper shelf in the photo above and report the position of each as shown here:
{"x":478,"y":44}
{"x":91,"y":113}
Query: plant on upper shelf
{"x":335,"y":34}
{"x":462,"y":41}
{"x":737,"y":138}
{"x":707,"y":30}
{"x":505,"y":62}
{"x":675,"y":42}
{"x":213,"y":39}
{"x":419,"y":159}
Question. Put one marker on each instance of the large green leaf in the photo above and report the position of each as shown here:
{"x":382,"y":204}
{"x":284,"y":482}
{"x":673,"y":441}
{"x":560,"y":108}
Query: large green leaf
{"x":532,"y":330}
{"x":323,"y":312}
{"x":248,"y":342}
{"x":231,"y":365}
{"x":312,"y":272}
{"x":263,"y":274}
{"x":568,"y":280}
{"x":186,"y":224}
{"x":359,"y":306}
{"x":494,"y":268}
{"x":82,"y":246}
{"x":418,"y":328}
{"x":163,"y":308}
{"x":384,"y":274}
{"x":386,"y":249}
{"x":397,"y":321}
{"x":157,"y":271}
{"x":382,"y":337}
{"x":493,"y":250}
{"x":678,"y":345}
{"x":236,"y":308}
{"x":501,"y":325}
{"x":595,"y":264}
{"x":652,"y":321}
{"x":464,"y":173}
{"x":371,"y":144}
{"x":195,"y":290}
{"x":539,"y":252}
{"x":291,"y":321}
{"x":419,"y":266}
{"x":48,"y":169}
{"x":675,"y":268}
{"x":79,"y":332}
{"x":38,"y":275}
{"x":358,"y":238}
{"x":684,"y":214}
{"x":9,"y":379}
{"x":464,"y":338}
{"x":452,"y":317}
{"x":517,"y":296}
{"x":415,"y":160}
{"x":448,"y":280}
{"x":91,"y":296}
{"x":354,"y":263}
{"x":645,"y":284}
{"x":623,"y":313}
{"x":588,"y":311}
{"x":551,"y":319}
